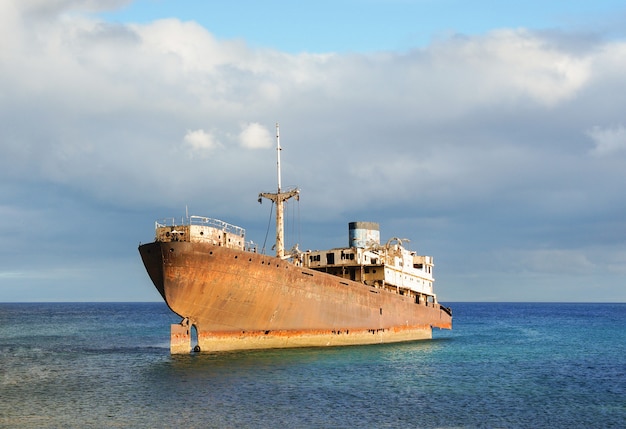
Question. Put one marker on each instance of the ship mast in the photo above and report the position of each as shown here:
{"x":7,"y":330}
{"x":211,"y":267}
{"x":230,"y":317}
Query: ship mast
{"x":279,"y":198}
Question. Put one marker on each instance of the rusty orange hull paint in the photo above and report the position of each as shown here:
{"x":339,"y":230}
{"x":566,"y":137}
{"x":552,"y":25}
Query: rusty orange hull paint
{"x":241,"y":300}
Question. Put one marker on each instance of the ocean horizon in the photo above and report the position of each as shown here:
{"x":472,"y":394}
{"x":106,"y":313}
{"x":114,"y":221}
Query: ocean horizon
{"x":506,"y":365}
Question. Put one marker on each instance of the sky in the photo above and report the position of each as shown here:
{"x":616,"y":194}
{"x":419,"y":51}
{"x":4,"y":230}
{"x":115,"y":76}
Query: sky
{"x":490,"y":134}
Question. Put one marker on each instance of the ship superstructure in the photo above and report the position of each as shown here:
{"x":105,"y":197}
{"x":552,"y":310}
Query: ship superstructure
{"x":390,"y":266}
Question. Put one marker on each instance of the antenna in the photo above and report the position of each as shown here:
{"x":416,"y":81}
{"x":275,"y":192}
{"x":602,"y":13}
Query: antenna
{"x":278,"y":149}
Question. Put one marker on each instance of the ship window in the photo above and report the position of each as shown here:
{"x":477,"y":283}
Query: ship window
{"x":330,"y":258}
{"x":367,"y":270}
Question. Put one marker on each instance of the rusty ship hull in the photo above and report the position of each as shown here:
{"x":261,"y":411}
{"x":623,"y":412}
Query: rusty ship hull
{"x":237,"y":299}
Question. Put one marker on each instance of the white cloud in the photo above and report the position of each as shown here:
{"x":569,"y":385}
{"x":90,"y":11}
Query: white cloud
{"x":200,"y":141}
{"x":55,"y":7}
{"x":607,"y":140}
{"x":255,"y":136}
{"x":504,"y":66}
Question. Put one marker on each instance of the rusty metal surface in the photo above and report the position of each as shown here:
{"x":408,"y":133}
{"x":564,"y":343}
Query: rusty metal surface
{"x":236,"y":297}
{"x":209,"y":341}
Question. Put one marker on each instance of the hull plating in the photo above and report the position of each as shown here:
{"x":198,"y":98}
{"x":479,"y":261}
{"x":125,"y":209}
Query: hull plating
{"x":244,"y":300}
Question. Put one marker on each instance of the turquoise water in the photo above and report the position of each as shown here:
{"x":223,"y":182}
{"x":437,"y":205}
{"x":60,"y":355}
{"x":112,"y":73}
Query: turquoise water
{"x":503,"y":365}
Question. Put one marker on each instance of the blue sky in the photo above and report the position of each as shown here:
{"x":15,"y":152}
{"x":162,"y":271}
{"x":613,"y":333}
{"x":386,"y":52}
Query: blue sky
{"x":491,"y":134}
{"x":371,"y":25}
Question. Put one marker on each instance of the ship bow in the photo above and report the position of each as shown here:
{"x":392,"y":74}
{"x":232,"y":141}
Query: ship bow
{"x":152,"y":258}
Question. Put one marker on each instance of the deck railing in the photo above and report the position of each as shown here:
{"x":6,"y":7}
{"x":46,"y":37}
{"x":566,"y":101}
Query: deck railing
{"x":203,"y":221}
{"x":446,"y":309}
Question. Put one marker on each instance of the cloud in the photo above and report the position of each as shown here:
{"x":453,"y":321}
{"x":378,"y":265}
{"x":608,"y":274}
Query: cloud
{"x":549,"y":261}
{"x":509,"y":65}
{"x":200,"y":141}
{"x":255,"y":136}
{"x":607,"y":140}
{"x":56,"y":7}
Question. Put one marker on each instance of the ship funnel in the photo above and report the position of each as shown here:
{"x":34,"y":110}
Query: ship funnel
{"x":363,"y":234}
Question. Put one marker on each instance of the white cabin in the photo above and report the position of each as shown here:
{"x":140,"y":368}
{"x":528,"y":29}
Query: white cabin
{"x":390,"y":266}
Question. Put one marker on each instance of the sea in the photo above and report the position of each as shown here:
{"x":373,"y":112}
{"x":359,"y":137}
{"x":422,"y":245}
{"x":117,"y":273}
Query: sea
{"x":504,"y":365}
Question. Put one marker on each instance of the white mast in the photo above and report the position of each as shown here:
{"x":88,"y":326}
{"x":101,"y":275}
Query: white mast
{"x":278,"y":149}
{"x":279,"y":198}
